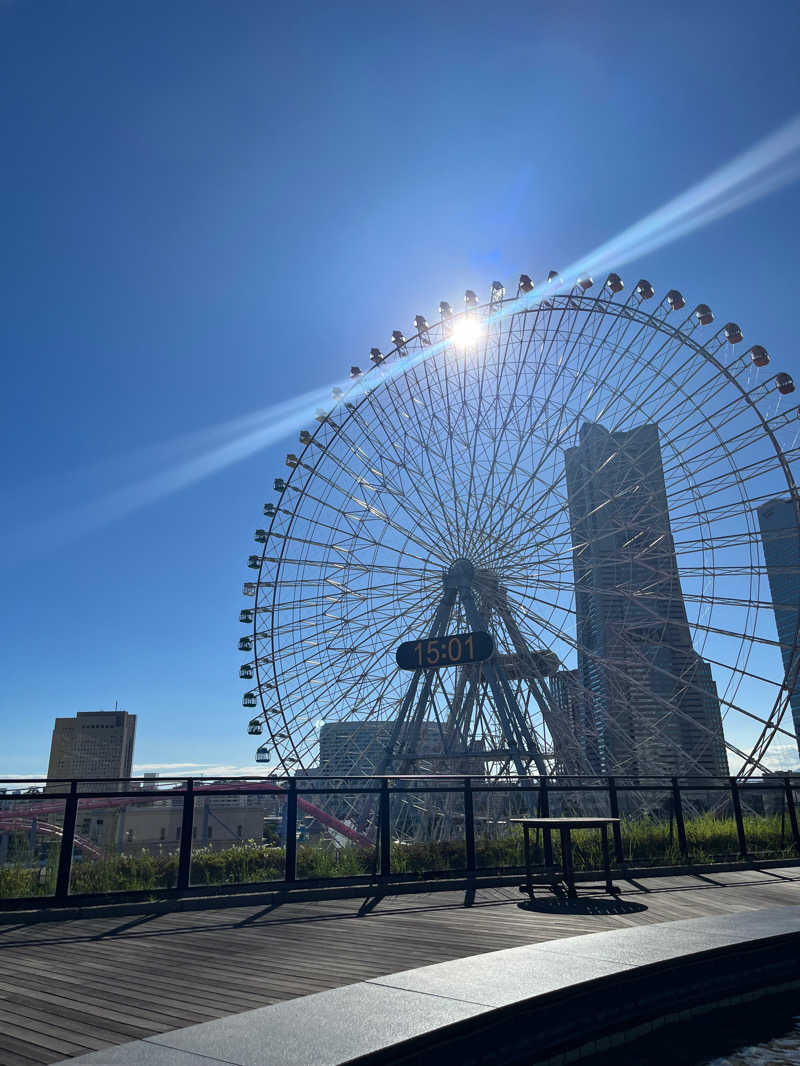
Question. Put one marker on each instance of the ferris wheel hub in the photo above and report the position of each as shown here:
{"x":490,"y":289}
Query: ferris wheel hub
{"x":460,"y":574}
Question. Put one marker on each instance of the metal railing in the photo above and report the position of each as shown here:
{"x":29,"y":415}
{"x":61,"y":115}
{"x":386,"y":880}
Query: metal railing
{"x":538,"y":793}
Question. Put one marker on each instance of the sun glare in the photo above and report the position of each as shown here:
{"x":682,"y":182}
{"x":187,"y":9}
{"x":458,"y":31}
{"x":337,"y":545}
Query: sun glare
{"x":465,"y":332}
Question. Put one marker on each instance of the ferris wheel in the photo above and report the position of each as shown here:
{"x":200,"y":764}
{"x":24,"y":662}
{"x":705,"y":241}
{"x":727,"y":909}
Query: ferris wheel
{"x":575,"y":470}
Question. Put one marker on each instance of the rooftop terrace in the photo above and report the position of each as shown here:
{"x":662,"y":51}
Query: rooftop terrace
{"x":72,"y":986}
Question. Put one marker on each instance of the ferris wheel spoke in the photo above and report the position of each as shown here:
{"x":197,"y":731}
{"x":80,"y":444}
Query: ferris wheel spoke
{"x":437,"y":458}
{"x":419,"y":512}
{"x":554,"y":443}
{"x":419,"y":604}
{"x":422,"y":479}
{"x":369,"y":510}
{"x":452,"y":419}
{"x":576,"y":418}
{"x":479,"y":506}
{"x":531,"y":480}
{"x":698,"y":625}
{"x":495,"y":436}
{"x":390,"y":510}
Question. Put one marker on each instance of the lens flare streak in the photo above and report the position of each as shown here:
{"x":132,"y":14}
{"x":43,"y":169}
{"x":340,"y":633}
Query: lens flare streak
{"x":769,"y":165}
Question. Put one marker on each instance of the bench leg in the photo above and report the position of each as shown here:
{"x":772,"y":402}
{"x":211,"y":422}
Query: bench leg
{"x":606,"y":860}
{"x":566,"y":862}
{"x":528,"y":875}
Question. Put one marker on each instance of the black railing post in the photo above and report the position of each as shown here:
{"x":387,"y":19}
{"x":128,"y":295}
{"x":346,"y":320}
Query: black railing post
{"x":67,"y":842}
{"x":187,"y":827}
{"x":677,"y":806}
{"x":469,"y":825}
{"x":291,"y":832}
{"x":544,"y":812}
{"x":385,"y":828}
{"x":787,"y":784}
{"x":613,"y":805}
{"x":737,"y":814}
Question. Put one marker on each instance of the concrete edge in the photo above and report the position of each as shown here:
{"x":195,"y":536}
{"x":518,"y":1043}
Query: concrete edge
{"x":584,"y":1021}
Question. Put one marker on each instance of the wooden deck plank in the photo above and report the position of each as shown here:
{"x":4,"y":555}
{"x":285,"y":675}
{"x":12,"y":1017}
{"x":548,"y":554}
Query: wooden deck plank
{"x":15,"y":1052}
{"x":162,"y":991}
{"x":90,"y":1021}
{"x":12,"y":1019}
{"x":105,"y":998}
{"x":112,"y":979}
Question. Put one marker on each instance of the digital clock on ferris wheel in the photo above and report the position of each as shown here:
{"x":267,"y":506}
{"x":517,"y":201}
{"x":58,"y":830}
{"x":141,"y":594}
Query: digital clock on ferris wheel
{"x":430,"y":653}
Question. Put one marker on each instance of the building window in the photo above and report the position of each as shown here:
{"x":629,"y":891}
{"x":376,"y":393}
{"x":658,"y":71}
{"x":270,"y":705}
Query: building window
{"x":163,"y":835}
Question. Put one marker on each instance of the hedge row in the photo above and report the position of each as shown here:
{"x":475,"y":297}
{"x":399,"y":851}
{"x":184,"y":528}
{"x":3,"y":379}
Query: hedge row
{"x":645,"y":842}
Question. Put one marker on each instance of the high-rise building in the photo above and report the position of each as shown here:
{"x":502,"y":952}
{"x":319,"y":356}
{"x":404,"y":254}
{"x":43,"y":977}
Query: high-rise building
{"x":356,"y":748}
{"x":573,"y":729}
{"x":780,"y":537}
{"x":92,"y":744}
{"x":650,"y":698}
{"x":352,"y":748}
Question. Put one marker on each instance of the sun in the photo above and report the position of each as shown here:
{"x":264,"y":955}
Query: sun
{"x":466,"y":331}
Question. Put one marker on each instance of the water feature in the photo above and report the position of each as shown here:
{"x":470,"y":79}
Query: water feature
{"x":781,"y":1050}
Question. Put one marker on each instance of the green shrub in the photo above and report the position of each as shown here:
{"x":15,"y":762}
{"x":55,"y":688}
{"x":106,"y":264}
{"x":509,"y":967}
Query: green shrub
{"x":646,"y":842}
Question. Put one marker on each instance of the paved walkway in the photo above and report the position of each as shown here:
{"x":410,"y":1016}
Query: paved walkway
{"x":71,"y":987}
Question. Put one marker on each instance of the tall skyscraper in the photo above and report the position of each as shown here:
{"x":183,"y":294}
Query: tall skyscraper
{"x":573,"y":729}
{"x":652,"y":700}
{"x":780,"y":536}
{"x":92,"y":744}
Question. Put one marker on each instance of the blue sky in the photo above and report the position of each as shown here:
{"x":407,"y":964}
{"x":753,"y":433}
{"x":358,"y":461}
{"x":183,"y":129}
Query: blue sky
{"x":209,"y":208}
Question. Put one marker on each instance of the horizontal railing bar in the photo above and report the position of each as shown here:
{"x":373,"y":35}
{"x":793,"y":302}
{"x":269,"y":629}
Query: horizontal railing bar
{"x":200,"y":781}
{"x":176,"y":794}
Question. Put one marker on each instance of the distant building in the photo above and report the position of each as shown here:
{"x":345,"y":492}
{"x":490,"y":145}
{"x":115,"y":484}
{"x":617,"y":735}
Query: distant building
{"x":780,"y":537}
{"x":353,"y":749}
{"x":350,"y":750}
{"x":573,"y":731}
{"x":651,"y":700}
{"x":92,"y":744}
{"x":219,"y":822}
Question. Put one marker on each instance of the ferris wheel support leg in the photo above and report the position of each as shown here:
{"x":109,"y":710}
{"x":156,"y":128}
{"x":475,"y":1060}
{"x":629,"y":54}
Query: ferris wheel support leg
{"x":456,"y":726}
{"x":415,"y":722}
{"x":538,"y":687}
{"x":505,"y":701}
{"x":528,"y":740}
{"x":438,"y":628}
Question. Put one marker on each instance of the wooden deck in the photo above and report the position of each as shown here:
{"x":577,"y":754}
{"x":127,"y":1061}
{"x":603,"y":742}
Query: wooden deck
{"x":74,"y":986}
